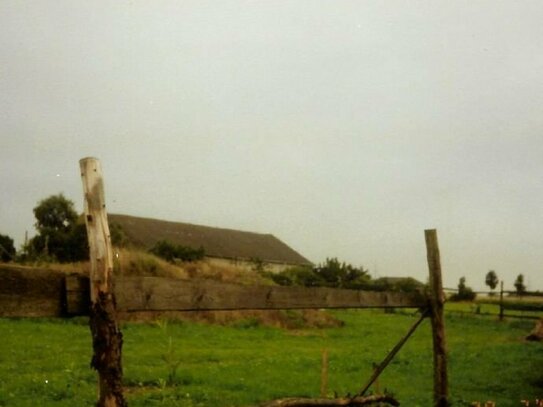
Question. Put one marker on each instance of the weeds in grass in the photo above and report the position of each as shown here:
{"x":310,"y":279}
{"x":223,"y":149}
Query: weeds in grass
{"x":169,"y":357}
{"x":172,"y":363}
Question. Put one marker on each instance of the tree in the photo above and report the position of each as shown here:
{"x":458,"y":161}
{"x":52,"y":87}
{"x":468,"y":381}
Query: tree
{"x":519,"y":284}
{"x":7,"y":249}
{"x":61,"y":234}
{"x":464,"y":293}
{"x":491,"y":279}
{"x":332,"y":273}
{"x":55,"y":213}
{"x":341,"y":275}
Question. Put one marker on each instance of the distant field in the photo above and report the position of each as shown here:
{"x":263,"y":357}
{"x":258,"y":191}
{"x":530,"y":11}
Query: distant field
{"x":525,"y":307}
{"x":46,"y":362}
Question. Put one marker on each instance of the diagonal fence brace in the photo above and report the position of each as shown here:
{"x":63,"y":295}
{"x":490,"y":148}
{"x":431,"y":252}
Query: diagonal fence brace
{"x":392,"y":353}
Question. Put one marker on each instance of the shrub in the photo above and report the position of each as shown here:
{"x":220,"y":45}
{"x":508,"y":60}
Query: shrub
{"x":172,"y":252}
{"x":118,"y":237}
{"x":300,"y":275}
{"x":341,"y":274}
{"x":7,"y":249}
{"x":331,"y":273}
{"x":464,"y":293}
{"x":405,"y":285}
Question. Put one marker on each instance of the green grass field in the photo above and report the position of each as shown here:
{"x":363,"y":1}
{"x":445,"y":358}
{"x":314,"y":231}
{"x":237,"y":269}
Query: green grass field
{"x":46,"y":362}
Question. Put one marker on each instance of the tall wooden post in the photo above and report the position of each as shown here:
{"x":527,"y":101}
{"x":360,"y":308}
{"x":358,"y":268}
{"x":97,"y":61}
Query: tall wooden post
{"x":107,"y":338}
{"x":437,"y":301}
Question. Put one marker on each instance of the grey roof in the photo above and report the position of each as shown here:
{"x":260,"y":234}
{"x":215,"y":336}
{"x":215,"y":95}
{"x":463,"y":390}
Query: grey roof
{"x":217,"y":242}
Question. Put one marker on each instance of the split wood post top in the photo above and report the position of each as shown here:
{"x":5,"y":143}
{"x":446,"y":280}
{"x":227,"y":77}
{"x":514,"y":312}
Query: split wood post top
{"x":101,"y":253}
{"x":437,"y":301}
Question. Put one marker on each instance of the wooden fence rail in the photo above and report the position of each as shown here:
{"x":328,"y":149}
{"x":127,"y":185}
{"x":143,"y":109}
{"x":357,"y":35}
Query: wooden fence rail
{"x":166,"y":294}
{"x":35,"y":292}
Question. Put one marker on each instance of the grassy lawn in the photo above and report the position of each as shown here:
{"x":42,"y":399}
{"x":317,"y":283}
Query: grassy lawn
{"x":46,"y":362}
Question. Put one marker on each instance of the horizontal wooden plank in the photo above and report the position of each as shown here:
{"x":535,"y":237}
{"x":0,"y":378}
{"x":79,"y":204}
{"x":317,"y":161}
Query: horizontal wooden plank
{"x":163,"y":294}
{"x":77,"y":283}
{"x":30,"y":292}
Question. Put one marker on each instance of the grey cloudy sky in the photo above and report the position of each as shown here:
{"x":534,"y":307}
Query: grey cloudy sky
{"x":344,"y":128}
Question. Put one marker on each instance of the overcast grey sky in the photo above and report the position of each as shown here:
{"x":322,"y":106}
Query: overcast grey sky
{"x":343,"y":128}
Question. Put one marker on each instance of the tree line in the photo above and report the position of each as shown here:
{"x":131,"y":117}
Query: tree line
{"x":465,"y":293}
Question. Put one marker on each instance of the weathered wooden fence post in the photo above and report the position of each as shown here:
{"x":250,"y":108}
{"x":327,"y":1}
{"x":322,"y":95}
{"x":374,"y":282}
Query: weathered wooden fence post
{"x":106,"y":336}
{"x":437,"y":301}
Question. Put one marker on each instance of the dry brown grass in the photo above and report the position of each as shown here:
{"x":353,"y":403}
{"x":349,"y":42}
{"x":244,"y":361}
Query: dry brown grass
{"x":136,"y":262}
{"x":129,"y":262}
{"x":133,"y":262}
{"x":293,"y":320}
{"x":227,"y":274}
{"x":82,"y":268}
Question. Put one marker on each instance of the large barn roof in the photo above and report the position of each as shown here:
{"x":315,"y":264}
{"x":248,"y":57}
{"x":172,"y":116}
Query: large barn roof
{"x":217,"y":242}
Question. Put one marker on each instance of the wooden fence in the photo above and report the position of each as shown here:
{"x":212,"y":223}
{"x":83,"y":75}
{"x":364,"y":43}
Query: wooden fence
{"x":102,"y":295}
{"x":41,"y":292}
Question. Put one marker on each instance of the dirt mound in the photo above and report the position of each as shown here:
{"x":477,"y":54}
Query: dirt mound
{"x":537,"y":332}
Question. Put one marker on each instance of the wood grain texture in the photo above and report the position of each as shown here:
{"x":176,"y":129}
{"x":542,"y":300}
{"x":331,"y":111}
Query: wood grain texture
{"x":30,"y":292}
{"x":437,"y":301}
{"x":107,"y":339}
{"x":163,"y":294}
{"x":77,"y":295}
{"x":101,"y":252}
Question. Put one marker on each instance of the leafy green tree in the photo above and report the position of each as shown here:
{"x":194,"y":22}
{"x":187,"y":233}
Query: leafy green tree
{"x":55,"y":213}
{"x":61,"y":235}
{"x":342,"y":275}
{"x":519,"y":285}
{"x":7,"y":249}
{"x":332,"y":273}
{"x":491,"y":279}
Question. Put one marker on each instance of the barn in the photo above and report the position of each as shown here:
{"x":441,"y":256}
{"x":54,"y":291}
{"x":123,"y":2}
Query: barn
{"x":222,"y":246}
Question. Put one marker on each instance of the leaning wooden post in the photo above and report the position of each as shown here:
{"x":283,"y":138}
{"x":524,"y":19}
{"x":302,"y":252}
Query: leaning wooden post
{"x":107,"y":338}
{"x":437,"y":301}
